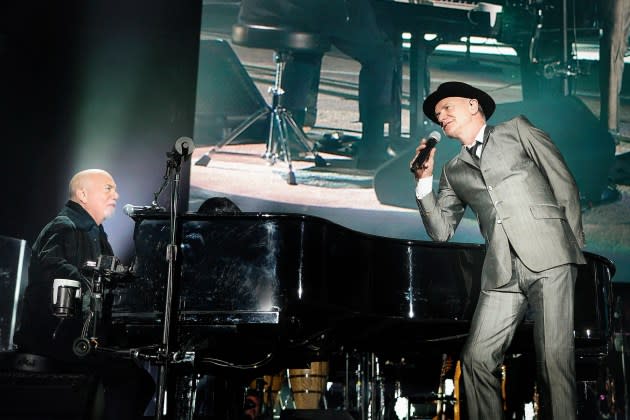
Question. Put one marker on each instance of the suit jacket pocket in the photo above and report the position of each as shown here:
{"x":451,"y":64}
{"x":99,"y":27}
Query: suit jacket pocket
{"x":547,"y":211}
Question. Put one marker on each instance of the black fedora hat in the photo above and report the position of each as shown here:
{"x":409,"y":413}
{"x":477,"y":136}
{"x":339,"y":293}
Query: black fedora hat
{"x":460,"y":90}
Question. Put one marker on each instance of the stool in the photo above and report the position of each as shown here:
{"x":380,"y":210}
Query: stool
{"x":282,"y":126}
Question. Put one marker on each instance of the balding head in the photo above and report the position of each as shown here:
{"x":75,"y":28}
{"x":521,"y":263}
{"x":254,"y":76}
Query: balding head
{"x":95,"y":191}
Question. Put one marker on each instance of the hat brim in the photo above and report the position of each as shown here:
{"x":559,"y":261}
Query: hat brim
{"x":459,"y":90}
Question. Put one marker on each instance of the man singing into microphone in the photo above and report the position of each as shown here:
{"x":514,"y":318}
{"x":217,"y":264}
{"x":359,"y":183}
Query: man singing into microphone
{"x":526,"y":201}
{"x":72,"y":238}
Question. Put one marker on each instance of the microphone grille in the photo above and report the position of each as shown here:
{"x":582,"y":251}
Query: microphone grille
{"x":184,"y":145}
{"x":435,"y":135}
{"x":128,"y":209}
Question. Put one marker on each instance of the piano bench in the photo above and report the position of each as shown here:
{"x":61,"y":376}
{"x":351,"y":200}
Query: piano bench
{"x":281,"y":39}
{"x":285,"y":42}
{"x":32,"y":389}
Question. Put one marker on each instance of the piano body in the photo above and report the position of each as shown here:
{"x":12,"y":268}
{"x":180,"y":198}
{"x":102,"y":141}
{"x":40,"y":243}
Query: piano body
{"x":286,"y":289}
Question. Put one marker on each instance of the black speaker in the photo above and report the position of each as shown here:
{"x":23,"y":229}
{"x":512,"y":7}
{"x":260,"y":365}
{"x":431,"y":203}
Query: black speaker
{"x":315,"y":415}
{"x":226,"y":95}
{"x":588,"y":149}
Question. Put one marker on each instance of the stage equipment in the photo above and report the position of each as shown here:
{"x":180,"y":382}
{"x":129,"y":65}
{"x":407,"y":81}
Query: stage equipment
{"x":283,"y":130}
{"x":65,"y":291}
{"x":104,"y":275}
{"x":308,"y":385}
{"x":587,"y":147}
{"x":15,"y":255}
{"x":182,"y":150}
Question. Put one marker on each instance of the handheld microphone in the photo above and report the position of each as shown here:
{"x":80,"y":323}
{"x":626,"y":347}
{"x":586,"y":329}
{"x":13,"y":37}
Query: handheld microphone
{"x":433,"y":139}
{"x":131,"y":210}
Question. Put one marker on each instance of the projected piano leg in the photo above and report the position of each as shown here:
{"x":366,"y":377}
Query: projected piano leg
{"x":419,"y":83}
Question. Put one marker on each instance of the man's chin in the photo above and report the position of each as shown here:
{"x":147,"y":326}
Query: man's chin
{"x":109,"y":213}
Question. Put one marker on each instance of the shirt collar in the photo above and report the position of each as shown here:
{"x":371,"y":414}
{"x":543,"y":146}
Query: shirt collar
{"x":478,"y":137}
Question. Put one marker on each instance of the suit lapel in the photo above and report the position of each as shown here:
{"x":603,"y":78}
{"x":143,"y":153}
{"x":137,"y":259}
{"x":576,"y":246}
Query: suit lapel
{"x":466,"y":157}
{"x":487,"y":140}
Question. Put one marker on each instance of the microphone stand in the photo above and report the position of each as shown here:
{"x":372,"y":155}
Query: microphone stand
{"x":173,"y":173}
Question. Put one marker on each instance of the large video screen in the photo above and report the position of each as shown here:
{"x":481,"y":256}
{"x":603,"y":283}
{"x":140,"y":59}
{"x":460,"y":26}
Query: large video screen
{"x":235,"y":158}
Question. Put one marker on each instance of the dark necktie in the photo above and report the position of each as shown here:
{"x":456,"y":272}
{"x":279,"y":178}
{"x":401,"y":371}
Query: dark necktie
{"x":473,"y":150}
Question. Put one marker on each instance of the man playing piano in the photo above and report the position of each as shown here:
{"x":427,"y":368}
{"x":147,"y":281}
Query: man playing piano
{"x":526,"y":201}
{"x":74,"y":237}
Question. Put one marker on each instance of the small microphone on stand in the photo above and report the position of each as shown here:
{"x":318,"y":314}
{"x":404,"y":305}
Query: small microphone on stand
{"x":131,"y":210}
{"x":183,"y":147}
{"x":432,"y":139}
{"x":140,"y":212}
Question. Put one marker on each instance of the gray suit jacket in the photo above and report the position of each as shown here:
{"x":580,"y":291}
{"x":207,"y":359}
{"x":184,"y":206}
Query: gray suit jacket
{"x":523,"y":194}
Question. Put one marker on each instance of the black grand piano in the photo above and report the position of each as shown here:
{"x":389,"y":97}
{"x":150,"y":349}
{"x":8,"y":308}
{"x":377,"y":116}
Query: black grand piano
{"x":271,"y":291}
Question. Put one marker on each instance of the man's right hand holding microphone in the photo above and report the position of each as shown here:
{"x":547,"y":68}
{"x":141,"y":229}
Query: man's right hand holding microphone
{"x":422,"y":163}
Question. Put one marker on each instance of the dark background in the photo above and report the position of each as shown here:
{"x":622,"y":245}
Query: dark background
{"x":107,"y":84}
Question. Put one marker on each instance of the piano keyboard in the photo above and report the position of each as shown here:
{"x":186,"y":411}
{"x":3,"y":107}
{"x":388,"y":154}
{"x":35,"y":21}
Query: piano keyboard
{"x":491,"y":8}
{"x":452,"y":4}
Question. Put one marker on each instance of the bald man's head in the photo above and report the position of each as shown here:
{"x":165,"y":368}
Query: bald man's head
{"x":95,"y":191}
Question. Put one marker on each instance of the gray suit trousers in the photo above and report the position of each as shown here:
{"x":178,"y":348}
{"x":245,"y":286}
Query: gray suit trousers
{"x":549,"y":295}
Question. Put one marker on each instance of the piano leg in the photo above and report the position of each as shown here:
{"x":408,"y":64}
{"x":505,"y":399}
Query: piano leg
{"x":419,"y":83}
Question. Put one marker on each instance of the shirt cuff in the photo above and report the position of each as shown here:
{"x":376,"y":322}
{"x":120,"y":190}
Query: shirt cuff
{"x":424,"y":186}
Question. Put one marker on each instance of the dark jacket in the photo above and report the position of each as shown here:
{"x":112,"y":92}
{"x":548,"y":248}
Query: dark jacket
{"x":63,"y":247}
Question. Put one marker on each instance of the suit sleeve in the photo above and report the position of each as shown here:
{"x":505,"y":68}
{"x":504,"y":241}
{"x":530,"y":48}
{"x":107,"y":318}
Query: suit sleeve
{"x":549,"y":160}
{"x":441,"y":214}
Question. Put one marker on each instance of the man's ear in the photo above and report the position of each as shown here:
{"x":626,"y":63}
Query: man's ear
{"x":82,"y":195}
{"x":474,"y":106}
